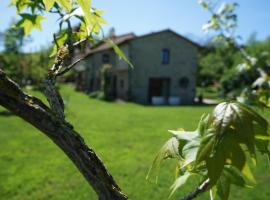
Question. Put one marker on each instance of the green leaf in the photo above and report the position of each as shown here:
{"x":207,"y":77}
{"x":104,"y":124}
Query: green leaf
{"x":119,"y":52}
{"x":215,"y":164}
{"x":236,"y":155}
{"x":169,"y":150}
{"x":189,"y":152}
{"x":223,"y":188}
{"x":67,"y":4}
{"x":235,"y":176}
{"x":255,"y":116}
{"x":244,"y":128}
{"x":185,"y":135}
{"x":86,"y":6}
{"x":223,"y":116}
{"x":20,"y":4}
{"x":204,"y":124}
{"x":179,"y":182}
{"x":206,"y":146}
{"x":213,"y":192}
{"x":248,"y":174}
{"x":48,"y":4}
{"x":29,"y":22}
{"x":236,"y":117}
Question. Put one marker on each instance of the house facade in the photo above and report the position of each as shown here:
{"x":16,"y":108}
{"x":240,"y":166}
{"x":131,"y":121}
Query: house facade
{"x":165,"y":66}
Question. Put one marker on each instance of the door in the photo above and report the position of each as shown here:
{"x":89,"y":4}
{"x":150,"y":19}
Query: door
{"x":158,"y":87}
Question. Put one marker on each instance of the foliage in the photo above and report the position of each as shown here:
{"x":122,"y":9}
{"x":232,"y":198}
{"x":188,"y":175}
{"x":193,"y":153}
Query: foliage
{"x":32,"y":14}
{"x":215,"y":151}
{"x":219,"y":67}
{"x":219,"y":150}
{"x":14,"y":39}
{"x":215,"y":63}
{"x":27,"y":68}
{"x":223,"y":23}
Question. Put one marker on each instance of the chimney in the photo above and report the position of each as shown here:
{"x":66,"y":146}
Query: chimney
{"x":111,"y":33}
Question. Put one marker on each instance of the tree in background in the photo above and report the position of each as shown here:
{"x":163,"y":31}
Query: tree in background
{"x":25,"y":68}
{"x":218,"y":66}
{"x":14,"y":39}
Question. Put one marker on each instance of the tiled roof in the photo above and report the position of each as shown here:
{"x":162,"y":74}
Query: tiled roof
{"x":130,"y":36}
{"x":116,"y":39}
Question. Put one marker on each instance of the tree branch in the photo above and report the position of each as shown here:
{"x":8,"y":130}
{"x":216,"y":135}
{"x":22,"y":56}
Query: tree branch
{"x":32,"y":110}
{"x":202,"y":188}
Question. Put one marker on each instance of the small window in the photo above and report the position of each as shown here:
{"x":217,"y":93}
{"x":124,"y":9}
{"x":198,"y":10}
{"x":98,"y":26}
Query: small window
{"x":106,"y":58}
{"x":165,"y":56}
{"x":184,"y":82}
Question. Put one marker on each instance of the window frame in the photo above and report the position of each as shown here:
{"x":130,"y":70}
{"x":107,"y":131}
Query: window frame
{"x":165,"y":56}
{"x":105,"y":58}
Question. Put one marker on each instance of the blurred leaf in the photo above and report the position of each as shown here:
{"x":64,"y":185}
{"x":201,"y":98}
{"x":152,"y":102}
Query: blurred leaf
{"x":189,"y":152}
{"x":48,"y":4}
{"x":185,"y":135}
{"x":223,"y":188}
{"x":78,"y":12}
{"x":213,"y":192}
{"x":206,"y":147}
{"x":179,"y":182}
{"x":204,"y":124}
{"x":215,"y":164}
{"x":61,"y":39}
{"x":67,"y":4}
{"x":248,"y":174}
{"x":86,"y":6}
{"x":235,"y":176}
{"x":169,"y":150}
{"x":120,"y":53}
{"x":237,"y":155}
{"x":29,"y":22}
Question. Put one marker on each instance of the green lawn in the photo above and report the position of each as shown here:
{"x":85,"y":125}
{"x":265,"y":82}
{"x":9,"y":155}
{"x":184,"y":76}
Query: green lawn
{"x":126,"y":137}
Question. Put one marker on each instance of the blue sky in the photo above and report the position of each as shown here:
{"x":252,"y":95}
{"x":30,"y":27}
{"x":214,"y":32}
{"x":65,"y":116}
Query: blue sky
{"x":143,"y":16}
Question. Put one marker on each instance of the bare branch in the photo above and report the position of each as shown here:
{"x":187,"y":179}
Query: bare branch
{"x":70,"y":66}
{"x":202,"y":188}
{"x":32,"y":110}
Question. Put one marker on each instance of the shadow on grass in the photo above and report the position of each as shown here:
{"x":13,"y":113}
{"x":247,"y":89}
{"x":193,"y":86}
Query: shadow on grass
{"x":6,"y":113}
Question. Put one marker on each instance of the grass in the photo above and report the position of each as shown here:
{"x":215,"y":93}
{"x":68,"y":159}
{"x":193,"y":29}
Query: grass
{"x":126,"y":137}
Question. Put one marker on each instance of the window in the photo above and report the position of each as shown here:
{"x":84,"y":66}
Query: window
{"x":165,"y":56}
{"x":184,"y":82}
{"x":105,"y":58}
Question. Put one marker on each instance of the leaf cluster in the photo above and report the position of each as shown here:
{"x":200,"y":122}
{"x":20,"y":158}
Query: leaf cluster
{"x":220,"y":150}
{"x":32,"y":14}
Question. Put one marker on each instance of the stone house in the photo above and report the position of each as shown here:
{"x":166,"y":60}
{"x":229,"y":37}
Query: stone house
{"x":165,"y":66}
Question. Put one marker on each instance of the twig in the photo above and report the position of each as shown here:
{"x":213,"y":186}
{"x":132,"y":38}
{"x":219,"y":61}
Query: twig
{"x":86,"y":38}
{"x":202,"y":188}
{"x":55,"y":41}
{"x":70,"y":66}
{"x":69,"y":38}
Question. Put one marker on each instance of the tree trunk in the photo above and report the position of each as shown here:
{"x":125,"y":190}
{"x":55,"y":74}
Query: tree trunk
{"x":32,"y":110}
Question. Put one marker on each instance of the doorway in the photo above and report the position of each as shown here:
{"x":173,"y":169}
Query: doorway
{"x":159,"y":87}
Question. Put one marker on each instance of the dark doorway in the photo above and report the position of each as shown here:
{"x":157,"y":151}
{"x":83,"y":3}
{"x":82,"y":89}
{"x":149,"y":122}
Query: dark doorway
{"x":114,"y":87}
{"x":158,"y":87}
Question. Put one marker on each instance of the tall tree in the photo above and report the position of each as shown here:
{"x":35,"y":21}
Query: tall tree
{"x":13,"y":39}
